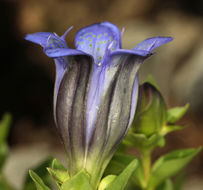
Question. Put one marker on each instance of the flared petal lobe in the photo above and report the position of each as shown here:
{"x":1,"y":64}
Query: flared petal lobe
{"x":97,"y":38}
{"x":152,"y":43}
{"x":57,"y":48}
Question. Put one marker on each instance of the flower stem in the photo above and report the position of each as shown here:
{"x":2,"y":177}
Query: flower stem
{"x":146,"y":164}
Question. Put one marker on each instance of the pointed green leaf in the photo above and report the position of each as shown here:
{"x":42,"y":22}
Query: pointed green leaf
{"x":78,"y":182}
{"x":170,"y":164}
{"x":121,"y":181}
{"x":106,"y":181}
{"x":119,"y":162}
{"x":58,"y":172}
{"x":42,"y":172}
{"x":167,"y":185}
{"x":57,"y":165}
{"x":38,"y":181}
{"x":179,"y":180}
{"x":170,"y":128}
{"x":174,"y":114}
{"x":60,"y":176}
{"x":142,"y":141}
{"x":5,"y":127}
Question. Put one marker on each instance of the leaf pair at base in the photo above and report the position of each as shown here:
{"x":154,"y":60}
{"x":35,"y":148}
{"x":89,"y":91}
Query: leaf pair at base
{"x":81,"y":180}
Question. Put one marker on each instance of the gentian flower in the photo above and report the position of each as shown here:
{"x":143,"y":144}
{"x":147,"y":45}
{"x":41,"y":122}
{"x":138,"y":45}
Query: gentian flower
{"x":95,"y":92}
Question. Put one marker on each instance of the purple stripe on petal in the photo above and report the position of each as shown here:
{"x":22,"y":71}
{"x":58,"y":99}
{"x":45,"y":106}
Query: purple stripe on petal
{"x":134,"y":101}
{"x":60,"y":64}
{"x":152,"y":43}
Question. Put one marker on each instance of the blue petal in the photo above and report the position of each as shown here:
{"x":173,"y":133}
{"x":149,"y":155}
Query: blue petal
{"x":152,"y":43}
{"x":54,"y":42}
{"x":131,"y":52}
{"x":60,"y":52}
{"x":39,"y":38}
{"x":95,"y":40}
{"x":46,"y":39}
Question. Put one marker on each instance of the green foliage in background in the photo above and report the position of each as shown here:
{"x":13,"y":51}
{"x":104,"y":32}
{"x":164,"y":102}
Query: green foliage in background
{"x":5,"y":124}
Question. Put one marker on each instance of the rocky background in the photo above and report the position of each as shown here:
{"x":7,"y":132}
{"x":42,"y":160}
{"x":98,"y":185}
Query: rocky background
{"x":27,"y":75}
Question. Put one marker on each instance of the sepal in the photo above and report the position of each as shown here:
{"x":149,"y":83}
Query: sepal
{"x":38,"y":181}
{"x":57,"y":165}
{"x":42,"y":172}
{"x":170,"y":128}
{"x":176,"y":113}
{"x":58,"y":172}
{"x":80,"y":181}
{"x":59,"y":176}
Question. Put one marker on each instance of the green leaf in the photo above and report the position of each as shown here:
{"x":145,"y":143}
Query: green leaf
{"x":167,"y":185}
{"x":170,"y":164}
{"x":78,"y":182}
{"x":42,"y":172}
{"x":170,"y":128}
{"x":5,"y":127}
{"x":179,"y":180}
{"x":3,"y":154}
{"x":121,"y":181}
{"x":38,"y":181}
{"x":142,"y":141}
{"x":106,"y":181}
{"x":119,"y":162}
{"x":176,"y":113}
{"x":57,"y":165}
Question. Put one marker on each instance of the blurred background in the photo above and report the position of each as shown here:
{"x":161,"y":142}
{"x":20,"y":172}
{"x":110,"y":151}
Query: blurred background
{"x":27,"y":75}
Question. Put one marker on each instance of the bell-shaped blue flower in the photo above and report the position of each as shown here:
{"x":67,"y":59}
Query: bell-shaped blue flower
{"x":95,"y":92}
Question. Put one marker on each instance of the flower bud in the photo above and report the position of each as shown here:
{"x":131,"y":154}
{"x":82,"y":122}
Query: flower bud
{"x":150,"y":115}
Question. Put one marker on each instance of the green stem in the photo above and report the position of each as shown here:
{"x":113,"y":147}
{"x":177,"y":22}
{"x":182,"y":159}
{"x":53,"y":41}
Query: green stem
{"x":146,"y":164}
